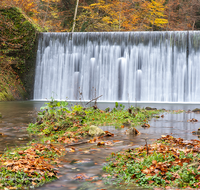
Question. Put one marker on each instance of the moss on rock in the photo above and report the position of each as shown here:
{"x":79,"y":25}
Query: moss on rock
{"x":95,"y":131}
{"x":17,"y":54}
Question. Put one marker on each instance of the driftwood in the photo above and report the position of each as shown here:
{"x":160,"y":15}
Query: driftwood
{"x":74,"y":144}
{"x":94,"y":99}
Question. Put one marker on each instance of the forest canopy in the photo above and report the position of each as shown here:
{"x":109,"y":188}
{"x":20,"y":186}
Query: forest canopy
{"x":111,"y":15}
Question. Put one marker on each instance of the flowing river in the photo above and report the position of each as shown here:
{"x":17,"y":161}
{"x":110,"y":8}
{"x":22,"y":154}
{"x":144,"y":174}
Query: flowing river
{"x":88,"y":159}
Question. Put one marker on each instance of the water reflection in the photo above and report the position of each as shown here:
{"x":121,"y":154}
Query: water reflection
{"x":16,"y":116}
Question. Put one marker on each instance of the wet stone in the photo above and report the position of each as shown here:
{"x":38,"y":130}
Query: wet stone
{"x":95,"y":131}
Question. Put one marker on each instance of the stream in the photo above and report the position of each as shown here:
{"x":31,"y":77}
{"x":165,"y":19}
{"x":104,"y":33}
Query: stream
{"x":78,"y":168}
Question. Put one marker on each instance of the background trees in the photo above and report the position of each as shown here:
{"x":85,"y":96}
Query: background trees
{"x":137,"y":15}
{"x":111,"y":15}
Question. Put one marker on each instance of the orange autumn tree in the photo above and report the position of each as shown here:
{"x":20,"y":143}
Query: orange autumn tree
{"x":152,"y":15}
{"x":121,"y":15}
{"x":98,"y":16}
{"x":106,"y":16}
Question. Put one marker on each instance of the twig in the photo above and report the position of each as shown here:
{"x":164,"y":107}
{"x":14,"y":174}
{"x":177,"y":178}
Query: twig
{"x":146,"y":145}
{"x":93,"y":99}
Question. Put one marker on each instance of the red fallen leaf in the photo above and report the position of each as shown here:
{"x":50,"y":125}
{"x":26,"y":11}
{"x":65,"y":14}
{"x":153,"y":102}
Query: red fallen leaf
{"x":156,"y":171}
{"x":48,"y":142}
{"x":162,"y":116}
{"x":81,"y":176}
{"x":146,"y":171}
{"x":133,"y":176}
{"x":145,"y":125}
{"x":12,"y":187}
{"x":136,"y":131}
{"x":109,"y":133}
{"x":154,"y":162}
{"x":72,"y":149}
{"x":100,"y":143}
{"x":122,"y":126}
{"x":33,"y":183}
{"x":108,"y":143}
{"x":176,"y":176}
{"x":105,"y":175}
{"x":20,"y":152}
{"x":197,"y":176}
{"x":51,"y":174}
{"x":3,"y":135}
{"x":93,"y":140}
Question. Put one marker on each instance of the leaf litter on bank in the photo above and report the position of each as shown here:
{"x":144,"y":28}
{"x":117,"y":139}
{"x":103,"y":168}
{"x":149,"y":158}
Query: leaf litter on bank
{"x":29,"y":166}
{"x":171,"y":162}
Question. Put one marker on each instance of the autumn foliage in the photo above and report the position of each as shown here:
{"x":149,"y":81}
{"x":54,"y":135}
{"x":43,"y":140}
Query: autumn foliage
{"x":124,"y":15}
{"x":136,"y":15}
{"x":111,"y":15}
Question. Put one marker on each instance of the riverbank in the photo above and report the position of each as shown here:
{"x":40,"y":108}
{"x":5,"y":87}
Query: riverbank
{"x":167,"y":163}
{"x":57,"y":126}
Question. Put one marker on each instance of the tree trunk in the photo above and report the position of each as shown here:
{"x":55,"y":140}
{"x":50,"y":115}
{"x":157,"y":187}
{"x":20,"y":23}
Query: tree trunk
{"x":77,"y":2}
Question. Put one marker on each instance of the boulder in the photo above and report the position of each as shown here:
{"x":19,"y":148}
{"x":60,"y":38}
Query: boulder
{"x":95,"y":131}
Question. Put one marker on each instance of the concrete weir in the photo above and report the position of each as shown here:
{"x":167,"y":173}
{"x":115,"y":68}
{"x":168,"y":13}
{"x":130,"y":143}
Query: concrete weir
{"x":121,"y":66}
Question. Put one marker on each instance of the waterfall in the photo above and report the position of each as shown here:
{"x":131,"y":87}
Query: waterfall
{"x":121,"y":66}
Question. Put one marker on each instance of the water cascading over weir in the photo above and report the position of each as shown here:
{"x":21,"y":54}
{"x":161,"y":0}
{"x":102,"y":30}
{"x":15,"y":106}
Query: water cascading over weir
{"x":121,"y":66}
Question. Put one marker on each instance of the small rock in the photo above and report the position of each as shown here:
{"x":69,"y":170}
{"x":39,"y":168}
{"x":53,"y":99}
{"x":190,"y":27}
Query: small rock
{"x":95,"y":131}
{"x":189,"y":111}
{"x":196,"y":132}
{"x":196,"y":110}
{"x":132,"y":131}
{"x":149,"y":108}
{"x":145,"y":125}
{"x":192,"y":120}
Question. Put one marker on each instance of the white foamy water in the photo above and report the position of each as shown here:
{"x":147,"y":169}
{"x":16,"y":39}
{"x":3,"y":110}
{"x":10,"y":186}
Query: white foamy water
{"x":122,"y":66}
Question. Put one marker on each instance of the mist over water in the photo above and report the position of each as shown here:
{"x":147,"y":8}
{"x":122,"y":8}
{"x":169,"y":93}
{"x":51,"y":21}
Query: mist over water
{"x":121,"y":66}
